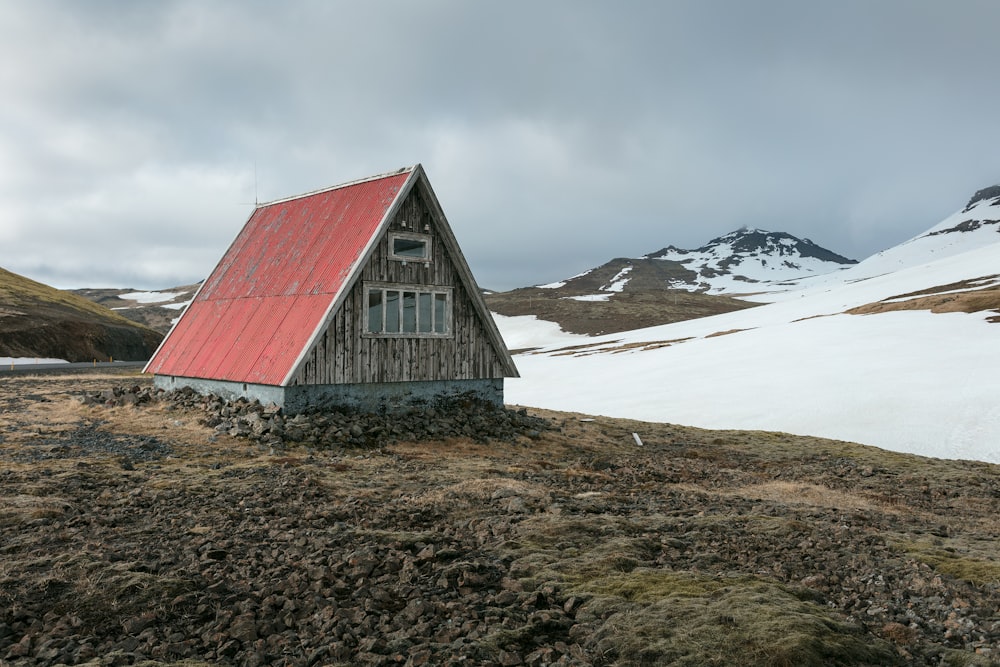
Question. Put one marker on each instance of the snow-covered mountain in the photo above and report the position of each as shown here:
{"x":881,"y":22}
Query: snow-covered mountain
{"x":744,"y":263}
{"x":750,"y":261}
{"x":975,"y":226}
{"x":898,"y":351}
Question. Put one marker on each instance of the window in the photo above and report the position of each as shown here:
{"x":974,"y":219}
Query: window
{"x":403,"y":310}
{"x":406,"y":247}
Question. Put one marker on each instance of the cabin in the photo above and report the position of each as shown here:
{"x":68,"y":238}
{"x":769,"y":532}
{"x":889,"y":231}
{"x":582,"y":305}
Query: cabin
{"x":357,"y":295}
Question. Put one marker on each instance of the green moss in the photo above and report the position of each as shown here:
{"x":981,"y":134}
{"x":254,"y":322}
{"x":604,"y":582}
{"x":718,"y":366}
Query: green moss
{"x":657,"y":617}
{"x":947,"y":557}
{"x":401,"y":538}
{"x":953,"y":658}
{"x":646,"y":585}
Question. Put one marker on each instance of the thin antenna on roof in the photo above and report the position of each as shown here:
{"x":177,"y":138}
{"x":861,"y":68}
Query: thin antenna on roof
{"x":256,"y":200}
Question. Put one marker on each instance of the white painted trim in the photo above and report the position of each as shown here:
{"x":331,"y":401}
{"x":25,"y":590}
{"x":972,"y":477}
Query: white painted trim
{"x":426,"y":239}
{"x":338,"y":186}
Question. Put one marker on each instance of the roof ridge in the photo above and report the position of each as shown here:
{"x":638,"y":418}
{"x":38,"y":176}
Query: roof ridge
{"x":339,"y":186}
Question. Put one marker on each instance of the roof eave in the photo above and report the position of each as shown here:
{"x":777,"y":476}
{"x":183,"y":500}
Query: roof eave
{"x":339,"y":186}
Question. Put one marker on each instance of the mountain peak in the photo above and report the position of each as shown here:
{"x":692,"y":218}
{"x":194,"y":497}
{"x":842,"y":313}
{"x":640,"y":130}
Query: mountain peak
{"x":760,"y":242}
{"x":992,"y":192}
{"x":743,"y":261}
{"x":974,"y":225}
{"x":751,"y":260}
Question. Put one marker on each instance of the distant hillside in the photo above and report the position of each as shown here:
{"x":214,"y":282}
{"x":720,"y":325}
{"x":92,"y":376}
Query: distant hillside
{"x":621,"y":295}
{"x":40,"y":321}
{"x":157,"y":309}
{"x":672,"y":285}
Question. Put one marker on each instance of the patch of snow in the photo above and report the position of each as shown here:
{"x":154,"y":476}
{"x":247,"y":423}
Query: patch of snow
{"x":177,"y":306}
{"x":150,"y":297}
{"x":559,"y":284}
{"x":618,"y":283}
{"x":523,"y":331}
{"x":589,"y":297}
{"x":24,"y":361}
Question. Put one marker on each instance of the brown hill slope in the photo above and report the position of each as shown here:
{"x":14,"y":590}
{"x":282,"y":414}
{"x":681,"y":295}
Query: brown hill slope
{"x":40,"y":321}
{"x":159,"y":314}
{"x":585,"y":304}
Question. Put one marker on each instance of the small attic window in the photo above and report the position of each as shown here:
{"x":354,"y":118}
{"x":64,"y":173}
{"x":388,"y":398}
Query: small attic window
{"x":406,"y":247}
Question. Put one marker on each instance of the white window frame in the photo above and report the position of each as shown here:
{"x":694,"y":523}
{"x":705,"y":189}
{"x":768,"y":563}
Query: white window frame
{"x":434,"y":290}
{"x":410,"y":236}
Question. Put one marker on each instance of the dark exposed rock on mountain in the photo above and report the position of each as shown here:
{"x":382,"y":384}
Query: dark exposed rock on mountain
{"x":967,"y":226}
{"x":740,"y":261}
{"x":992,"y":192}
{"x":758,"y":242}
{"x":986,"y":203}
{"x":40,"y":321}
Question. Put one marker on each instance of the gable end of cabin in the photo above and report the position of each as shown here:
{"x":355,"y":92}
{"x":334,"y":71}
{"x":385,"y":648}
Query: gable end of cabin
{"x":407,"y":328}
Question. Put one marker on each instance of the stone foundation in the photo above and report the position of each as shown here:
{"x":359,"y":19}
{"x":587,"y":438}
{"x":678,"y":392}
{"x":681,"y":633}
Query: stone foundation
{"x":385,"y":397}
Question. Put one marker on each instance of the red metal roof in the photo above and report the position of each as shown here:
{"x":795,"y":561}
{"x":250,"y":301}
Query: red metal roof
{"x":271,"y":292}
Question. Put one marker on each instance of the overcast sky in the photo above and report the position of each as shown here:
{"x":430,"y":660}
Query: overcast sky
{"x":556,"y":134}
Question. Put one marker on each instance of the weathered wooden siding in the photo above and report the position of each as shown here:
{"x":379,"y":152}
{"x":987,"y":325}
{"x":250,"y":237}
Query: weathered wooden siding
{"x":343,"y":354}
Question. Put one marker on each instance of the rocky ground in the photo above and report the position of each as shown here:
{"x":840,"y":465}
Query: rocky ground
{"x":143,"y":529}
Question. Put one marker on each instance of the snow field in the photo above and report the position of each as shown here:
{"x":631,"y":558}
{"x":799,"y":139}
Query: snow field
{"x":908,"y":381}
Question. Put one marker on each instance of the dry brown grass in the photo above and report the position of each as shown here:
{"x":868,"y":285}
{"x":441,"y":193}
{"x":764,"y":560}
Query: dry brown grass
{"x":579,"y":350}
{"x":22,"y":509}
{"x":613,"y":347}
{"x":471,"y":490}
{"x":158,"y":420}
{"x":969,"y":296}
{"x":803,"y":493}
{"x":50,"y":405}
{"x":636,"y":307}
{"x":644,"y":346}
{"x":962,"y":285}
{"x":50,"y":418}
{"x":725,"y":333}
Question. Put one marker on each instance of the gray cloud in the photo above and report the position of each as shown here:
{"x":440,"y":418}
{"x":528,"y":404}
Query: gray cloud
{"x":556,"y":134}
